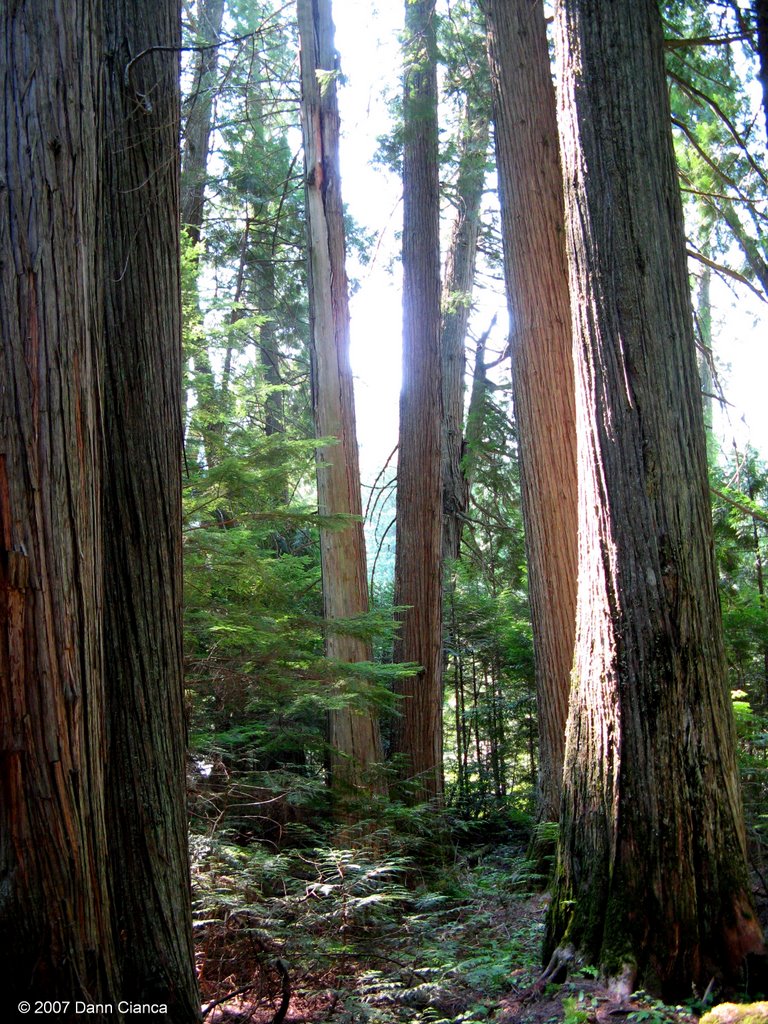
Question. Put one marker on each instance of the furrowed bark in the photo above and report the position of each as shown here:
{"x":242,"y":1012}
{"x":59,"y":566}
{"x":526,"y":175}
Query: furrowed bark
{"x":141,"y":508}
{"x":54,"y":906}
{"x":536,"y":277}
{"x":418,"y":570}
{"x":652,"y":879}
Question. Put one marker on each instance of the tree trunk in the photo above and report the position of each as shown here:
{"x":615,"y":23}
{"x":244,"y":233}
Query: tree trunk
{"x":95,"y":899}
{"x":530,"y":184}
{"x":54,"y":907}
{"x":198,"y":122}
{"x":354,"y":733}
{"x":652,"y":881}
{"x":418,"y":590}
{"x":706,"y":357}
{"x":146,"y":805}
{"x":458,"y":284}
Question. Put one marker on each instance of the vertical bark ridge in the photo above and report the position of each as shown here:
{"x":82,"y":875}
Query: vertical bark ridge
{"x":418,"y":568}
{"x":536,"y":275}
{"x":54,"y":906}
{"x":652,"y":881}
{"x":149,"y":870}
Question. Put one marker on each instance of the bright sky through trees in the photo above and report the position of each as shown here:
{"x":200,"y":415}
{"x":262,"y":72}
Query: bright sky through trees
{"x":367,"y":38}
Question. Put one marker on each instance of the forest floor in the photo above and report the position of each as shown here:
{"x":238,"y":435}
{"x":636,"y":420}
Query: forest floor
{"x":340,"y":937}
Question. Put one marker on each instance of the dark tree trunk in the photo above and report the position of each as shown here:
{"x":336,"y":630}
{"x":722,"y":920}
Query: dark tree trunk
{"x":652,"y":881}
{"x":530,"y":184}
{"x":149,"y":872}
{"x":418,"y":583}
{"x":95,"y":900}
{"x":54,"y":909}
{"x":354,"y":733}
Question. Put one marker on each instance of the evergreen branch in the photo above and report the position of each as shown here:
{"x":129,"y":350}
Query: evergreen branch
{"x":378,"y":552}
{"x":750,"y":509}
{"x":720,"y":195}
{"x":726,"y":271}
{"x":681,"y":42}
{"x":705,"y":156}
{"x":695,"y":93}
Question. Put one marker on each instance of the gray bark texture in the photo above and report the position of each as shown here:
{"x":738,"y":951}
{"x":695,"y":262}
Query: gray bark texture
{"x":458,"y":285}
{"x":652,"y":882}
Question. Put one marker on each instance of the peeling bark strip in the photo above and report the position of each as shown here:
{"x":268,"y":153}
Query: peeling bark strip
{"x":652,"y":879}
{"x":418,"y":575}
{"x":536,"y":275}
{"x":354,"y":736}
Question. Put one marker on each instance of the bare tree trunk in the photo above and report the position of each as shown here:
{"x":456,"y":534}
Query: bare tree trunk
{"x":542,"y":366}
{"x":458,"y":284}
{"x":706,"y":356}
{"x":54,"y":906}
{"x":418,"y":583}
{"x":141,"y":502}
{"x":652,"y":881}
{"x":354,"y":732}
{"x":95,"y":899}
{"x":198,"y":120}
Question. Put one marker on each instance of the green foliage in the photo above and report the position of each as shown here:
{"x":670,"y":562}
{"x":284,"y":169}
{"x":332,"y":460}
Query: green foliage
{"x":393,"y":949}
{"x":719,"y":141}
{"x":654,"y":1011}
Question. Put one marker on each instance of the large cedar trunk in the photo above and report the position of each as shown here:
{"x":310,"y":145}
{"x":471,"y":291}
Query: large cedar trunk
{"x":95,"y":900}
{"x":536,"y":274}
{"x":354,"y":733}
{"x":652,"y":880}
{"x":54,"y":909}
{"x":141,"y":502}
{"x":418,"y":585}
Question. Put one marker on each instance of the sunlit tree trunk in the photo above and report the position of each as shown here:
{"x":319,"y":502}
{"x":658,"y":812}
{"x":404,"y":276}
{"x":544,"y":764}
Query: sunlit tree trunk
{"x":652,"y":882}
{"x":354,"y":733}
{"x":54,"y":908}
{"x":141,"y":508}
{"x":536,"y":275}
{"x":418,"y":584}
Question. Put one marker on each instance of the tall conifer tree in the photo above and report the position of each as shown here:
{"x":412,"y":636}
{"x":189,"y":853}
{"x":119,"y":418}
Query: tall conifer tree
{"x":418,"y":576}
{"x":652,"y":880}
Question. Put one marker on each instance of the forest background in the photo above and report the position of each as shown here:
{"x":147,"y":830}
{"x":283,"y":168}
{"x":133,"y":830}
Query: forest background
{"x":259,"y":688}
